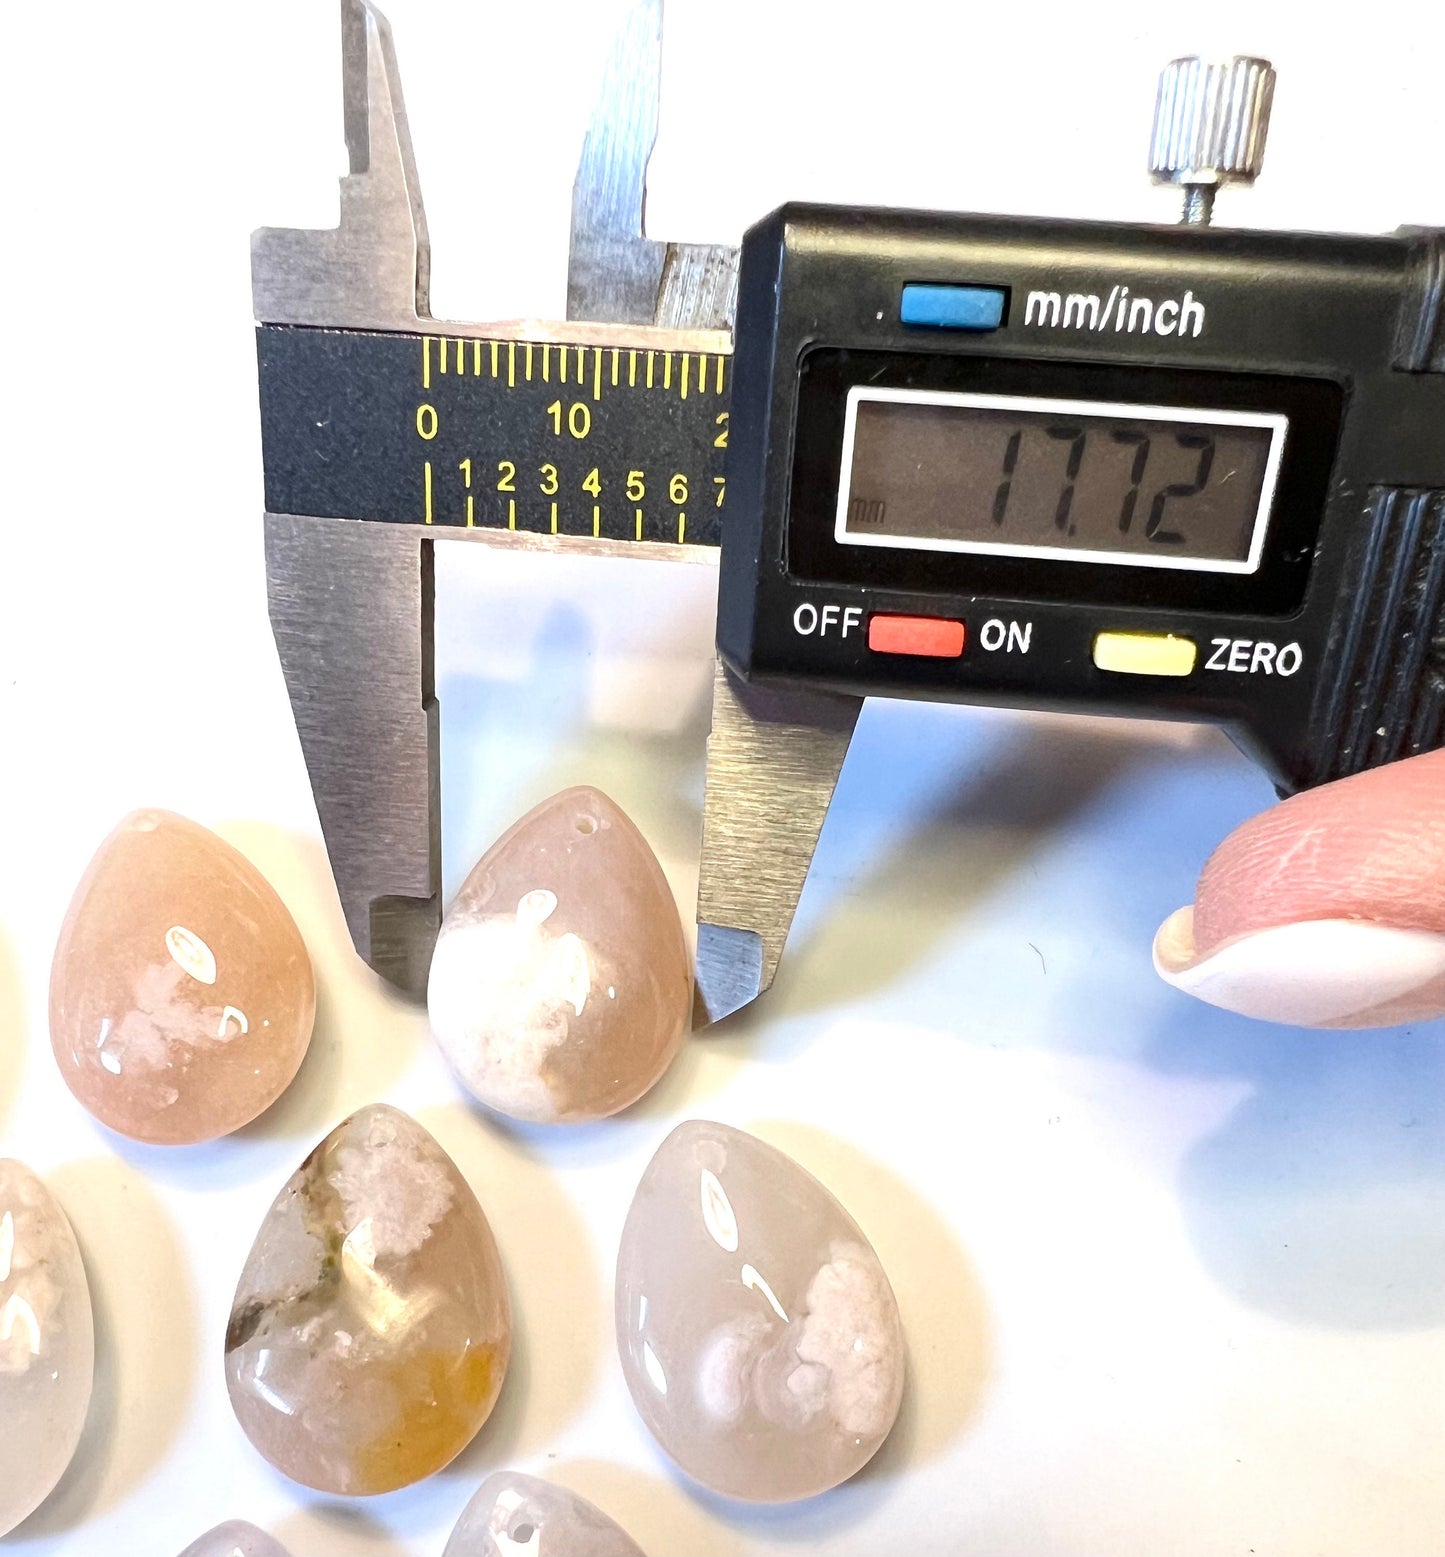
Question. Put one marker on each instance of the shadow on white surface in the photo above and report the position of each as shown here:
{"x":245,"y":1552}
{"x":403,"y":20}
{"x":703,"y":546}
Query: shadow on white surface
{"x":145,"y":1340}
{"x":881,"y":901}
{"x":337,"y":1530}
{"x":1319,"y":1201}
{"x":814,"y":1520}
{"x":13,"y":1045}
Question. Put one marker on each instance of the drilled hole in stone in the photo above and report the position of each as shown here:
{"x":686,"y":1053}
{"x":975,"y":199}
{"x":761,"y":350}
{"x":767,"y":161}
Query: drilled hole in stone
{"x":586,"y":824}
{"x":524,"y":1532}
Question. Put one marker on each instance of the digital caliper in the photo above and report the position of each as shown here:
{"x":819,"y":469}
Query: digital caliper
{"x":1179,"y":472}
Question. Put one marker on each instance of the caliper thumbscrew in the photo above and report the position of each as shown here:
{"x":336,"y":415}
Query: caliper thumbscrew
{"x":1210,"y":124}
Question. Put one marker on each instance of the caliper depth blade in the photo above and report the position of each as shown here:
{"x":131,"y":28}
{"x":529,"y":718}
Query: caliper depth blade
{"x":614,"y":270}
{"x":372,"y":269}
{"x":773,"y":760}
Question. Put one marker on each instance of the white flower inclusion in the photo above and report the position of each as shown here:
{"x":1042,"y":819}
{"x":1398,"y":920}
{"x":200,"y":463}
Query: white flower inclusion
{"x":503,"y":993}
{"x":833,"y":1362}
{"x":17,"y":1311}
{"x":570,"y":977}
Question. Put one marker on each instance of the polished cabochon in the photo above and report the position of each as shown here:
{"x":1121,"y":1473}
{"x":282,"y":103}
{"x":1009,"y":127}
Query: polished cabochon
{"x":371,"y":1327}
{"x":511,"y":1514}
{"x":181,"y":992}
{"x":235,"y":1538}
{"x":758,"y":1333}
{"x":560,"y":988}
{"x":47,"y":1343}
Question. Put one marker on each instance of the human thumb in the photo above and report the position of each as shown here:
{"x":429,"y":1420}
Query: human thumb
{"x":1327,"y":911}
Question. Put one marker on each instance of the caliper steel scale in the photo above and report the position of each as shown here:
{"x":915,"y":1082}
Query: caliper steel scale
{"x":1303,"y":608}
{"x":362,"y":397}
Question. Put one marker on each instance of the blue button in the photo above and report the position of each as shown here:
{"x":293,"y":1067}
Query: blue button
{"x":953,"y":308}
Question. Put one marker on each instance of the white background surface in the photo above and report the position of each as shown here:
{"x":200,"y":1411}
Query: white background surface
{"x":1173,"y":1281}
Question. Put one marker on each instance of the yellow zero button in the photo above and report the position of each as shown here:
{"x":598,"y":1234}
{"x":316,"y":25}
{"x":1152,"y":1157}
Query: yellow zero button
{"x":1145,"y":654}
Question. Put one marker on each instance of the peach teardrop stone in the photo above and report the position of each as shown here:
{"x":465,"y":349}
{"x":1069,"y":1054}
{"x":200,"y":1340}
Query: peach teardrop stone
{"x":512,"y":1515}
{"x":235,"y":1538}
{"x":370,"y":1331}
{"x":560,"y":986}
{"x":181,"y":994}
{"x":759,"y":1335}
{"x":47,"y":1343}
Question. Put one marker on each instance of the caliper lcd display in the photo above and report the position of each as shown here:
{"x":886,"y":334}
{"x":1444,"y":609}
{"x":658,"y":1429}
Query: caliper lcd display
{"x":1019,"y":476}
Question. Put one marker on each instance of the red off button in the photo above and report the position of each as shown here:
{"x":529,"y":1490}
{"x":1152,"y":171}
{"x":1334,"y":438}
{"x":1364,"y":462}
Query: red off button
{"x":934,"y":637}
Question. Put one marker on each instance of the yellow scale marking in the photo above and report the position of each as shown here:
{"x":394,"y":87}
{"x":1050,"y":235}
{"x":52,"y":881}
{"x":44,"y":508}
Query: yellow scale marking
{"x":687,"y":384}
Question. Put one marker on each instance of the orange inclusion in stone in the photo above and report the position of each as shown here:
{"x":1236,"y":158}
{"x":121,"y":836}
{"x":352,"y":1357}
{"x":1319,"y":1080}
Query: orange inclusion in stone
{"x":442,"y":1400}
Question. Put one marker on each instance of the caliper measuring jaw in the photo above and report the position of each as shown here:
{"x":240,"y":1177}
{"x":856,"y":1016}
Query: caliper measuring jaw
{"x":352,"y":605}
{"x":351,"y":600}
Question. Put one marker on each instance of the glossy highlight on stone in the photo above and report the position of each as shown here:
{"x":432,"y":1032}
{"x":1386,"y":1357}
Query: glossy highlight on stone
{"x":758,"y":1333}
{"x":235,"y":1538}
{"x":560,"y":987}
{"x":371,"y":1327}
{"x":47,"y":1343}
{"x":512,"y":1515}
{"x":181,"y":994}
